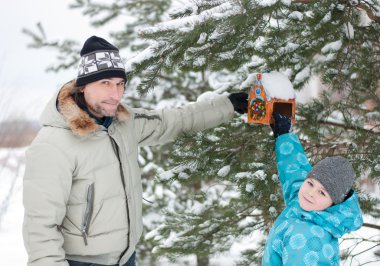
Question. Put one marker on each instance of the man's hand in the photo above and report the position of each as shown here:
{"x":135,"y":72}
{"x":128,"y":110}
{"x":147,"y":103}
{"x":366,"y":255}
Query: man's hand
{"x":240,"y":101}
{"x":281,"y":124}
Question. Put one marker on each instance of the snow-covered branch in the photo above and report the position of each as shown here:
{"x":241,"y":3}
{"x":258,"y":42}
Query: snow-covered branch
{"x":186,"y":24}
{"x":370,"y":13}
{"x":357,"y":4}
{"x":146,"y":54}
{"x":335,"y":124}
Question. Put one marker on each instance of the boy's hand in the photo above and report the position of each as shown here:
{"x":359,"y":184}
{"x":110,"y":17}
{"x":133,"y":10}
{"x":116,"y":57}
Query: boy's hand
{"x":281,"y":124}
{"x":240,"y":101}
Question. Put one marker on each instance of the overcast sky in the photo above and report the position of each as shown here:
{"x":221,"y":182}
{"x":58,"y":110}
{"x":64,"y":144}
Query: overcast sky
{"x":25,"y":87}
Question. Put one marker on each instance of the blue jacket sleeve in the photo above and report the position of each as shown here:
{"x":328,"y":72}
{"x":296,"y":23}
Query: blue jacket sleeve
{"x":292,"y":165}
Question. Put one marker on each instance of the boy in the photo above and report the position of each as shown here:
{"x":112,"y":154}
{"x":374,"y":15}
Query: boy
{"x":320,"y":205}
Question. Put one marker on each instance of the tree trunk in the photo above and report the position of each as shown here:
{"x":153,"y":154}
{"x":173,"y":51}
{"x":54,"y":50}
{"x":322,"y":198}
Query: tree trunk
{"x":202,"y":261}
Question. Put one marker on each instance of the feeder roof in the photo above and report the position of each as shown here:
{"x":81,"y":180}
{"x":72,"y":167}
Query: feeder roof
{"x":276,"y":85}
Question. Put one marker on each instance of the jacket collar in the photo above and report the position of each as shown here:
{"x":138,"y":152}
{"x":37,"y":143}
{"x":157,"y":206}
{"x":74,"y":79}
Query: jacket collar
{"x":79,"y":121}
{"x":337,"y":220}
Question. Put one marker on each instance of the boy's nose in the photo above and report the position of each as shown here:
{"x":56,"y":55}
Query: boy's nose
{"x":314,"y":192}
{"x":311,"y":192}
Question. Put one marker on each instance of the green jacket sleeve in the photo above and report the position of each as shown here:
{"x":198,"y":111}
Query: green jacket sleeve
{"x":46,"y":190}
{"x":162,"y":126}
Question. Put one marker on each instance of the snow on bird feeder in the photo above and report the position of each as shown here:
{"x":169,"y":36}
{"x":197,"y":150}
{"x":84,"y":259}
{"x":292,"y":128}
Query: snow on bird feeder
{"x":270,"y":92}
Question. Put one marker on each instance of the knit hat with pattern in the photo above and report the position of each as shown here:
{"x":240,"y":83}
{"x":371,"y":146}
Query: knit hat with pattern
{"x":99,"y":60}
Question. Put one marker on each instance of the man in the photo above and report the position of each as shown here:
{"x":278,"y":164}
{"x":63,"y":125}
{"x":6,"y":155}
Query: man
{"x":82,"y":184}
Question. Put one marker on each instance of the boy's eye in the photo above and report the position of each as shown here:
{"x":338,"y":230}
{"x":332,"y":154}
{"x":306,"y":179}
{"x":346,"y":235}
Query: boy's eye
{"x":322,"y":193}
{"x":105,"y":82}
{"x":310,"y":183}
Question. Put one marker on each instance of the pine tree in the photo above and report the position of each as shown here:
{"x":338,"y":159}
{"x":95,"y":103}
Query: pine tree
{"x":223,"y":183}
{"x":338,"y":41}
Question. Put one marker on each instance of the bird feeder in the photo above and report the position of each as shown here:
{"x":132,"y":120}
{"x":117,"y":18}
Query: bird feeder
{"x":270,"y":92}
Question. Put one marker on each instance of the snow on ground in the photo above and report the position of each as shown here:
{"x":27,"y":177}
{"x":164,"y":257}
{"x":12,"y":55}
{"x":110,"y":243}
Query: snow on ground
{"x":12,"y":251}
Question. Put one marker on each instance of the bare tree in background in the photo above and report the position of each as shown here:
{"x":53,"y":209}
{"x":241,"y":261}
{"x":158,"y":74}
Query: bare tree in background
{"x":16,"y":132}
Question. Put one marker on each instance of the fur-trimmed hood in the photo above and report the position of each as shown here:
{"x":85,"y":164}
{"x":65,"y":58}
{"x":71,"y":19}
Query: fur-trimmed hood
{"x":71,"y":116}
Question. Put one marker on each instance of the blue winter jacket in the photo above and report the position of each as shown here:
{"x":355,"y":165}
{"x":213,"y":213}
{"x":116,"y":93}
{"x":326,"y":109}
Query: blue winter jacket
{"x":301,"y":237}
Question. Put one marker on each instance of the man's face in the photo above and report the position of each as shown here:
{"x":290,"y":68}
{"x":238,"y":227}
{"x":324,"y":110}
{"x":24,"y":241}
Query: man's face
{"x":103,"y":96}
{"x":313,"y":196}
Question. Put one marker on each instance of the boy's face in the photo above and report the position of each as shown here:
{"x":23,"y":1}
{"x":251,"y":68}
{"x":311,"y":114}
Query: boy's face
{"x":313,"y":196}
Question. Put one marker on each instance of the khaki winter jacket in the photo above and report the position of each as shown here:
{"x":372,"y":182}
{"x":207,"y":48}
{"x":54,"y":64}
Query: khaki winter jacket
{"x":82,"y":184}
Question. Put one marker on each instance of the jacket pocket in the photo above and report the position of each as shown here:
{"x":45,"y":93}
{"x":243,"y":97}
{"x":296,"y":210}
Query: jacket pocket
{"x":88,"y":212}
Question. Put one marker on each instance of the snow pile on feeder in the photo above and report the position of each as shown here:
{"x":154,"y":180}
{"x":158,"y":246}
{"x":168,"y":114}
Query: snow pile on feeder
{"x":269,"y":92}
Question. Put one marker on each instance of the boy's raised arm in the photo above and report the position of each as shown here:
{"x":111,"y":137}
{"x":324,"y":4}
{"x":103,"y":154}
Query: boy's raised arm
{"x":292,"y":162}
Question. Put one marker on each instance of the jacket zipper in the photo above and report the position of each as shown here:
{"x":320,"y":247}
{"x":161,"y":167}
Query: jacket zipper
{"x":88,"y":212}
{"x":117,"y":152}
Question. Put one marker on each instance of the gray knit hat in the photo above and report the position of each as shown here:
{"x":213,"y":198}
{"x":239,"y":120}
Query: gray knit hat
{"x":336,"y":175}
